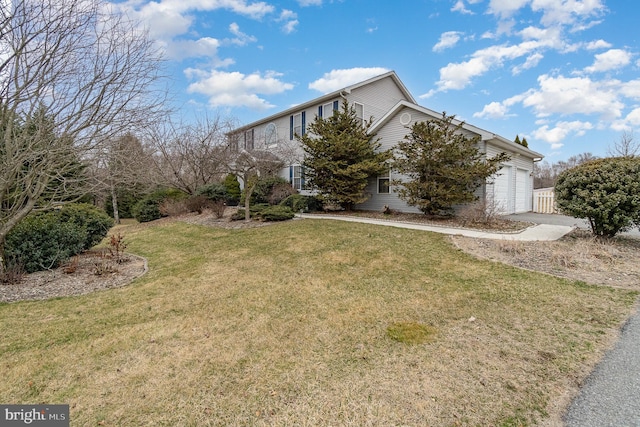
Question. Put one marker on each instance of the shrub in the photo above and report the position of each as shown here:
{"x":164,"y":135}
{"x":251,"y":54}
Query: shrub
{"x":148,"y":208}
{"x":95,"y":221}
{"x":42,"y":241}
{"x":254,"y":211}
{"x":299,"y":202}
{"x":197,"y":203}
{"x":213,"y":192}
{"x":264,"y":190}
{"x":173,"y":207}
{"x":605,"y":191}
{"x":233,"y":189}
{"x":276,"y":213}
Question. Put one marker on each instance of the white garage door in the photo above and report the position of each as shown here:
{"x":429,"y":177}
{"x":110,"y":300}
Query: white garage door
{"x":522,"y":191}
{"x":501,"y":191}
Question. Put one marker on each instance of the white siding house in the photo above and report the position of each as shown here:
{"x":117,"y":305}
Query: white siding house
{"x":386,"y":100}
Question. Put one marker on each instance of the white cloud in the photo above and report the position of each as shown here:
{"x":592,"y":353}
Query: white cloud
{"x":576,"y":95}
{"x":459,"y":6}
{"x":204,"y":47}
{"x":305,"y":3}
{"x":610,"y":60}
{"x":561,"y":130}
{"x":338,"y":79}
{"x":235,"y":89}
{"x":506,"y":8}
{"x":598,"y":44}
{"x":493,"y":110}
{"x":241,"y":38}
{"x":531,"y":62}
{"x":633,"y":118}
{"x":447,"y":40}
{"x":291,"y":21}
{"x":567,"y":12}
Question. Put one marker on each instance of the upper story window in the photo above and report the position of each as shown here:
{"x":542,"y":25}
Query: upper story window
{"x":297,"y":125}
{"x":248,"y":140}
{"x":327,"y":110}
{"x":359,"y":109}
{"x":271,"y":135}
{"x":233,"y":140}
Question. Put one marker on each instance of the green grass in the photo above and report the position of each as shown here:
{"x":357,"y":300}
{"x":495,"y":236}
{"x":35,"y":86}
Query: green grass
{"x":288,"y":325}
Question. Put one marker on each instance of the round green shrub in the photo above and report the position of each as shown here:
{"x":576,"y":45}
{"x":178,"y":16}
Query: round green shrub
{"x":233,"y":189}
{"x":276,"y":213}
{"x":95,"y":221}
{"x":214,"y":192}
{"x":264,"y":191}
{"x":42,"y":241}
{"x":604,"y":191}
{"x":299,"y":202}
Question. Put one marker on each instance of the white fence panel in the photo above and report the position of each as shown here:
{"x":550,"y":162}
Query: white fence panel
{"x":544,"y":200}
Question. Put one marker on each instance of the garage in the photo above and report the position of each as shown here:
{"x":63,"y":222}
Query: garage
{"x":512,"y":190}
{"x":501,"y":191}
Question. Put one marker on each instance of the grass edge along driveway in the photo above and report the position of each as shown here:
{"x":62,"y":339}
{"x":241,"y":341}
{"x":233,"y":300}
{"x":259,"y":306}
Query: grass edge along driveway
{"x":289,"y":325}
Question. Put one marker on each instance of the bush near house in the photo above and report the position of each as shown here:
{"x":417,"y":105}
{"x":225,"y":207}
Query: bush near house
{"x":299,"y":202}
{"x":604,"y":191}
{"x":43,"y":240}
{"x":233,"y":189}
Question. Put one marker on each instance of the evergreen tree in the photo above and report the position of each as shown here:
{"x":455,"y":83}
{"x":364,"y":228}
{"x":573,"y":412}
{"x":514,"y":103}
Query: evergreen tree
{"x":444,"y":166}
{"x":340,"y":156}
{"x":525,"y":143}
{"x":517,"y":140}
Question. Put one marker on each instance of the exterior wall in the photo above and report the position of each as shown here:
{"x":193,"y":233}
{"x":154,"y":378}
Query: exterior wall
{"x":390,"y":134}
{"x":377,"y":98}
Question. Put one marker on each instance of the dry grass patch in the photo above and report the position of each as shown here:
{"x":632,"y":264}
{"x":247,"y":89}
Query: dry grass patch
{"x":288,"y":324}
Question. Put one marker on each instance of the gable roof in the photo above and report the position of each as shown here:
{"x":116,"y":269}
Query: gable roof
{"x":331,"y":96}
{"x":485,"y":135}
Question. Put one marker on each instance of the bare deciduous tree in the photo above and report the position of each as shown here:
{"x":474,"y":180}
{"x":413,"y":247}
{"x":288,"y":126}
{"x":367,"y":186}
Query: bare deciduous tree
{"x":72,"y":74}
{"x":189,"y":156}
{"x":626,"y":146}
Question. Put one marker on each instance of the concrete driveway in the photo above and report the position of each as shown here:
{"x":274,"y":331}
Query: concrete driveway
{"x":557,"y":219}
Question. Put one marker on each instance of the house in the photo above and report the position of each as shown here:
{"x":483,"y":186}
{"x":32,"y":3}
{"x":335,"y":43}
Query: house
{"x":393,"y":109}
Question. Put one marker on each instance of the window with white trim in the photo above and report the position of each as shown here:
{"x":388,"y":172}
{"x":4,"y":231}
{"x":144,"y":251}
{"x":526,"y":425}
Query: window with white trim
{"x":297,"y":177}
{"x":359,"y":109}
{"x":248,"y":140}
{"x":271,"y":135}
{"x":383,"y":183}
{"x":234,"y":140}
{"x":297,"y":124}
{"x":327,"y":110}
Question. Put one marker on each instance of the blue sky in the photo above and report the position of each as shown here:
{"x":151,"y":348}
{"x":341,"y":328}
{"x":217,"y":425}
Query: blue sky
{"x":562,"y":73}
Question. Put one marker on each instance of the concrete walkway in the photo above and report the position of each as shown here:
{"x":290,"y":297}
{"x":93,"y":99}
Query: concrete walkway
{"x":538,"y":232}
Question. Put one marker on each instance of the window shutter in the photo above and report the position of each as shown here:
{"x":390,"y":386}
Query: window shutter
{"x":291,"y":127}
{"x":291,"y":174}
{"x":303,"y":123}
{"x":335,"y":105}
{"x":302,"y":177}
{"x":320,"y":111}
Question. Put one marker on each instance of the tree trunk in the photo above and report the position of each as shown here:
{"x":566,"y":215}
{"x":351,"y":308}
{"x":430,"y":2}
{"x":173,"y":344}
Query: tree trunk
{"x":114,"y":203}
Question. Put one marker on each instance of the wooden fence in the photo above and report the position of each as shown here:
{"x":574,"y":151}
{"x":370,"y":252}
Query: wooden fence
{"x":544,"y":200}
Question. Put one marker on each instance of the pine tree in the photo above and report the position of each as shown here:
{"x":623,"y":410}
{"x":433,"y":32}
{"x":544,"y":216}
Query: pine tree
{"x":444,"y":167}
{"x":340,"y":156}
{"x":517,"y":140}
{"x":525,"y":143}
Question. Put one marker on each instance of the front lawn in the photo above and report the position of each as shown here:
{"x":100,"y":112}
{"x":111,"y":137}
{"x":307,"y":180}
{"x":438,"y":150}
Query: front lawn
{"x":288,"y":325}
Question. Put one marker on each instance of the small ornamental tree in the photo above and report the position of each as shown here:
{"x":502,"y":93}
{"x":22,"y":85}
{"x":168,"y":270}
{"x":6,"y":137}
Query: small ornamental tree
{"x":604,"y":191}
{"x":442,"y":167}
{"x":340,"y":156}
